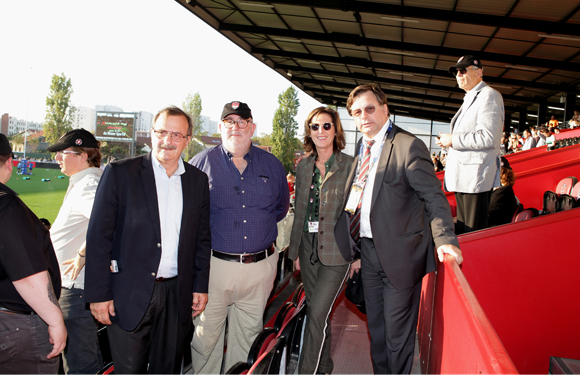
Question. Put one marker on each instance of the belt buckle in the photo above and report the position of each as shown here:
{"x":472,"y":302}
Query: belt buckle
{"x":242,"y":258}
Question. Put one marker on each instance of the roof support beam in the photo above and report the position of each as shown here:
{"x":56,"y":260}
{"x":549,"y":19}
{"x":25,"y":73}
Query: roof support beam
{"x":404,"y":94}
{"x":389,"y":44}
{"x":372,"y":78}
{"x":401,"y":68}
{"x":517,"y":23}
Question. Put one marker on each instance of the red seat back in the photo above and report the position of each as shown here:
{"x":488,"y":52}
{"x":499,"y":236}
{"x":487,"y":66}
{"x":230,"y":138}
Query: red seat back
{"x":565,"y":185}
{"x":576,"y":191}
{"x":524,"y":215}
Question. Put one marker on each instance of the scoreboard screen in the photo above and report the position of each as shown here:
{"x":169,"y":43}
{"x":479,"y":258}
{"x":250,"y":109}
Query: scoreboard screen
{"x":115,"y":126}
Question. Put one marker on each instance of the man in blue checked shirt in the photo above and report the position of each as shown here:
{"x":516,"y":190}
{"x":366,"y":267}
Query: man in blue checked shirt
{"x":249,"y":195}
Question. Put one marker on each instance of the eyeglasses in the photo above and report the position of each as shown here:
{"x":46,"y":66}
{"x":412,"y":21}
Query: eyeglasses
{"x":175,"y":137}
{"x":463,"y":71}
{"x":242,"y":124}
{"x":326,"y":126}
{"x":369,"y":110}
{"x":67,"y":152}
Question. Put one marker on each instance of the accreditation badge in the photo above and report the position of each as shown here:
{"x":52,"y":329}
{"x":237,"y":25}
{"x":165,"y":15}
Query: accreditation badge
{"x":313,"y":227}
{"x":354,"y":198}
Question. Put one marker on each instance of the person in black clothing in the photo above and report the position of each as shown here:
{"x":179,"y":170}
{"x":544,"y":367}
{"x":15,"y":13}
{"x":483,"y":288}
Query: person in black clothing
{"x":31,"y":322}
{"x":437,"y":163}
{"x":503,"y":202}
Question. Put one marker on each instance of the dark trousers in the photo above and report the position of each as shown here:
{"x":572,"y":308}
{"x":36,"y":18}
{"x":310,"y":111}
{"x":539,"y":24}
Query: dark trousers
{"x":24,"y":345}
{"x":322,"y":285}
{"x":471,"y":211}
{"x":391,"y":315}
{"x":157,"y":340}
{"x":81,"y":354}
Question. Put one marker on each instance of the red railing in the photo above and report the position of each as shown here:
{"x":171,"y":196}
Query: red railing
{"x":525,"y":276}
{"x":455,"y":334}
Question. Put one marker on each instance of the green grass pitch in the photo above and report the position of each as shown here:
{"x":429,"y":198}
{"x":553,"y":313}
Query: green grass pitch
{"x":43,"y":198}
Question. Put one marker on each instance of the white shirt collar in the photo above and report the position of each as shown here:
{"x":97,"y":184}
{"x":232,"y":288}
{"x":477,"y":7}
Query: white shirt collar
{"x":380,"y":135}
{"x":156,"y":164}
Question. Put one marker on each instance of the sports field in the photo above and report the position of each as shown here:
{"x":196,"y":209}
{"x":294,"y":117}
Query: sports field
{"x":43,"y":198}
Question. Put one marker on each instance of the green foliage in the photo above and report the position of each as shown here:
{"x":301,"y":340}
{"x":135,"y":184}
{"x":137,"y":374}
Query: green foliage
{"x":43,"y":198}
{"x":115,"y":150}
{"x":192,"y":105}
{"x":18,"y":139}
{"x":285,"y":128}
{"x":59,"y":110}
{"x":263,"y":140}
{"x":217,"y":135}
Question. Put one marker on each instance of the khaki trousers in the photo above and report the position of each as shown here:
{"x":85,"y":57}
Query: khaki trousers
{"x":238,"y":293}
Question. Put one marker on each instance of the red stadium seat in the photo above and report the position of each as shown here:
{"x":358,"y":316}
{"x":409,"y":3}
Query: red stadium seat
{"x":299,"y":295}
{"x":550,"y":204}
{"x":526,"y":214}
{"x":262,"y":365}
{"x":576,"y":191}
{"x":565,"y":185}
{"x":263,"y":342}
{"x":239,"y":368}
{"x":566,"y":202}
{"x":285,"y":314}
{"x":519,"y":209}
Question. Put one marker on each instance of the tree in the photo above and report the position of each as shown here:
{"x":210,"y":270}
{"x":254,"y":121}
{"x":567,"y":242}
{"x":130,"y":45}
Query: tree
{"x":192,"y":105}
{"x":263,"y":140}
{"x":59,"y":110}
{"x":115,"y":150}
{"x":285,"y":128}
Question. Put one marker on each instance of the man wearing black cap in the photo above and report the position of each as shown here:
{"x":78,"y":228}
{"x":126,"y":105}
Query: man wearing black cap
{"x":31,"y":322}
{"x":249,"y":195}
{"x":148,"y":250}
{"x":473,"y":165}
{"x":79,"y":157}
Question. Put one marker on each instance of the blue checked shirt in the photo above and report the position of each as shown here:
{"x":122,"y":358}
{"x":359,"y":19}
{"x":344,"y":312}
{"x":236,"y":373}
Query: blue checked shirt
{"x":244,"y":208}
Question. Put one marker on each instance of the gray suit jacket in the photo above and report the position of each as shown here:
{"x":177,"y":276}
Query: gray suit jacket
{"x":331,"y":198}
{"x":473,"y":163}
{"x":410,"y":215}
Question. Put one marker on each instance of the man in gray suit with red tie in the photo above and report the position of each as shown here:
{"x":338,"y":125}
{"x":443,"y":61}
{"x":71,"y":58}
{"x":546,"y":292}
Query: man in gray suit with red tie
{"x":473,"y":165}
{"x":397,"y":208}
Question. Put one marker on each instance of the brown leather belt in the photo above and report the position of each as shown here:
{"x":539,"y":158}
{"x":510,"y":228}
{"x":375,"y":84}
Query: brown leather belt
{"x":244,"y":258}
{"x":162,"y":279}
{"x":5,"y":310}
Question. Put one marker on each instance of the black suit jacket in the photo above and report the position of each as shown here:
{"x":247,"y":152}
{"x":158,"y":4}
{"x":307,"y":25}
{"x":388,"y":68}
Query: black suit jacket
{"x":125,"y":227}
{"x":410,"y":215}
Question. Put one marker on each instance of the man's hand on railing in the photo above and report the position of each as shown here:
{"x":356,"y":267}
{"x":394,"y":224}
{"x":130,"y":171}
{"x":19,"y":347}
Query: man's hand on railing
{"x":452,"y":250}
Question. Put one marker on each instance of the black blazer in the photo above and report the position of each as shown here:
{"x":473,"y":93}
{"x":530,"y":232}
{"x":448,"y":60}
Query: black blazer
{"x":410,"y":215}
{"x":125,"y":227}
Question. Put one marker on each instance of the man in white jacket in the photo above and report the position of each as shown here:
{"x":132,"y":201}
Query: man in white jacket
{"x":473,"y":164}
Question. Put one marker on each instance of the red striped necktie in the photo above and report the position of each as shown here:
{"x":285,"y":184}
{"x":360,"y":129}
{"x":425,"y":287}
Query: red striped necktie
{"x":362,"y":180}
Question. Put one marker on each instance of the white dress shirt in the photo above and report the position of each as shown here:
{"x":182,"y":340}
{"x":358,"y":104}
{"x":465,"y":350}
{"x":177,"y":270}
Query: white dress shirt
{"x":170,"y":203}
{"x":365,"y":210}
{"x":69,"y":231}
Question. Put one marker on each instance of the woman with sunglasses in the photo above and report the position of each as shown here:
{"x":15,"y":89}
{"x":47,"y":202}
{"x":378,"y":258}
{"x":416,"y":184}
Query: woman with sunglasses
{"x":320,"y":185}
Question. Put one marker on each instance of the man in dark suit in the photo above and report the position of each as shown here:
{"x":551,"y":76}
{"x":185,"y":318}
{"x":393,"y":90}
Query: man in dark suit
{"x":399,"y":211}
{"x":148,"y":250}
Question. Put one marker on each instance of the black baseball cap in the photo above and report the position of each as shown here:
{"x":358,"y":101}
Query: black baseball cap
{"x":237,"y":108}
{"x":464,"y":62}
{"x":75,"y":138}
{"x":5,"y":148}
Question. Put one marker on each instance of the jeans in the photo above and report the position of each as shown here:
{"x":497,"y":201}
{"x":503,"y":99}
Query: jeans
{"x":82,"y":354}
{"x":24,"y":345}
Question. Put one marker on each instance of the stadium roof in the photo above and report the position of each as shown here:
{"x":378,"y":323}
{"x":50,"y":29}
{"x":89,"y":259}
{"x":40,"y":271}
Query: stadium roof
{"x":530,"y":49}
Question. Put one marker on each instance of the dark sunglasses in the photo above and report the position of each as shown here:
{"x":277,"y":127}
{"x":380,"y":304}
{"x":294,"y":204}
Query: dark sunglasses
{"x":463,"y":71}
{"x":326,"y":126}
